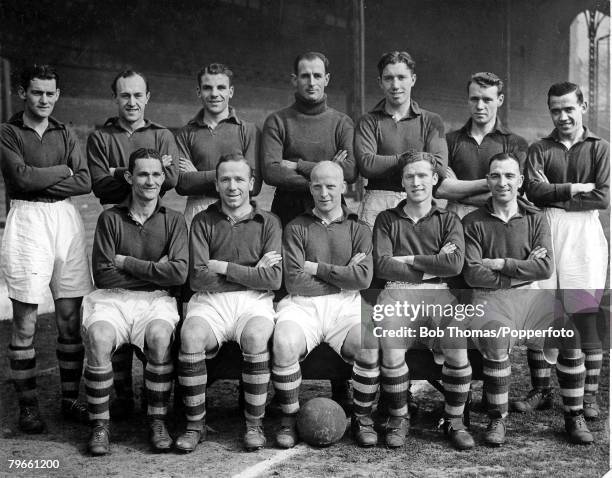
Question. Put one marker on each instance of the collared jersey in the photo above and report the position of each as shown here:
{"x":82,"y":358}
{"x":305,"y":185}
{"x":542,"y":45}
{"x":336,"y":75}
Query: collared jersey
{"x":204,"y":146}
{"x":38,"y":168}
{"x":163,"y":235}
{"x":470,"y":160}
{"x":380,"y":140}
{"x":111,"y":146}
{"x":587,"y":161}
{"x":308,"y":238}
{"x":488,"y":237}
{"x":395,"y":234}
{"x":242,"y":244}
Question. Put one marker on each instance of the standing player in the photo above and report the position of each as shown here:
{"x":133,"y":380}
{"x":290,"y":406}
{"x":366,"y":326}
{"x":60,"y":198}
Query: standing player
{"x":296,"y":138}
{"x":235,"y":263}
{"x":215,"y":131}
{"x":417,"y":246}
{"x":44,"y":240}
{"x":108,"y":151}
{"x":395,"y":125}
{"x":327,"y":259}
{"x":471,"y":147}
{"x":140,"y":251}
{"x":507,"y":249}
{"x":568,"y":173}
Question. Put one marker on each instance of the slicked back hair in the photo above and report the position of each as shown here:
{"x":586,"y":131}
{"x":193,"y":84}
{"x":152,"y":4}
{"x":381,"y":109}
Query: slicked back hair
{"x":486,"y":79}
{"x":393,"y":57}
{"x":128,"y":74}
{"x":226,"y":158}
{"x":310,"y":56}
{"x":215,"y":69}
{"x":414,"y":156}
{"x":42,"y":72}
{"x":564,"y":88}
{"x":143,"y":153}
{"x":504,"y":157}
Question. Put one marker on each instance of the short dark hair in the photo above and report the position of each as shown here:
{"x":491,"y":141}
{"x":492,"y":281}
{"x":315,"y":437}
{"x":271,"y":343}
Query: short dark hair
{"x":128,"y":74}
{"x":393,"y":57}
{"x":42,"y":72}
{"x":414,"y":156}
{"x":564,"y":88}
{"x":310,"y":56}
{"x":144,"y":153}
{"x":215,"y":69}
{"x":486,"y":79}
{"x":232,"y":157}
{"x":504,"y":157}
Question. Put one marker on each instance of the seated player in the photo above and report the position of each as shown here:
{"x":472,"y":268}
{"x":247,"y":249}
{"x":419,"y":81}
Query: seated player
{"x":416,"y":246}
{"x":506,"y":250}
{"x":235,"y":263}
{"x":43,"y":246}
{"x":327,"y":260}
{"x":140,"y":251}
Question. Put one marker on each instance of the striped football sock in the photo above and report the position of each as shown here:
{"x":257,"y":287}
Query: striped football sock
{"x":571,"y":374}
{"x":122,"y":371}
{"x":192,"y":378}
{"x":255,"y":379}
{"x":592,"y":362}
{"x":395,"y":387}
{"x":539,"y":369}
{"x":22,"y":361}
{"x":98,"y":384}
{"x":287,"y":381}
{"x":365,"y":385}
{"x":70,"y":354}
{"x":496,"y":383}
{"x":456,"y":382}
{"x":158,"y":385}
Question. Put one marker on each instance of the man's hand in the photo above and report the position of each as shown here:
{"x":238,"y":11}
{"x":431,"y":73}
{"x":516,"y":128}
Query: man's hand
{"x":538,"y":253}
{"x":450,"y":174}
{"x":311,"y":268}
{"x":494,"y":264}
{"x":119,"y":261}
{"x":289,"y":164}
{"x":404,"y":259}
{"x":357,"y":258}
{"x":541,"y":176}
{"x":448,"y":248}
{"x":219,"y":267}
{"x":162,"y":259}
{"x":340,"y":156}
{"x":112,"y":171}
{"x":577,"y":188}
{"x":167,"y":160}
{"x":186,"y":166}
{"x":269,"y":259}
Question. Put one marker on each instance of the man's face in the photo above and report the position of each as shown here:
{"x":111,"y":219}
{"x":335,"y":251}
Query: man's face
{"x":311,"y":80}
{"x":418,"y":180}
{"x":215,"y":92}
{"x":39,"y":98}
{"x":327,"y":186}
{"x":234,"y":184}
{"x":566,"y":113}
{"x":147,"y":179}
{"x":131,"y":98}
{"x":504,"y":180}
{"x":484,"y":102}
{"x":396,"y":82}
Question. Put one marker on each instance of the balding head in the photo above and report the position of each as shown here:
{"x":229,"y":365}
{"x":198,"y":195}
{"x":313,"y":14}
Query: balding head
{"x":327,"y":186}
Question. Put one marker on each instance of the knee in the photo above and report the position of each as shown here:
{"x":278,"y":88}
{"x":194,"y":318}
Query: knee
{"x":255,"y":339}
{"x":286,"y":346}
{"x":100,"y":340}
{"x":455,"y":357}
{"x":23,"y":331}
{"x":193,"y":337}
{"x":367,"y":356}
{"x":158,"y":338}
{"x":392,"y":358}
{"x":495,"y":355}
